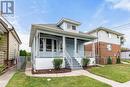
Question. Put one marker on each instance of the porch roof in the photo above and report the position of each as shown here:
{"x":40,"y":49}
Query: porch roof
{"x":57,"y":30}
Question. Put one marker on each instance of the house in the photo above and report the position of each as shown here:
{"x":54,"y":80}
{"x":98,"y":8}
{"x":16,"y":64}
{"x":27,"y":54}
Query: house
{"x":125,"y":54}
{"x":60,"y":40}
{"x":107,"y":44}
{"x":9,"y":43}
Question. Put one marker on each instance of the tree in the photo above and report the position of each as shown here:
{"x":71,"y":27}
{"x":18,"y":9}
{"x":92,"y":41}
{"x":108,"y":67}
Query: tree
{"x":23,"y":53}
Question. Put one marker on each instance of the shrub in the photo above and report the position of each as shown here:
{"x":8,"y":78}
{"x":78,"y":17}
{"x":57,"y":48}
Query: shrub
{"x":2,"y":67}
{"x":109,"y":60}
{"x":118,"y":61}
{"x":57,"y":63}
{"x":85,"y":62}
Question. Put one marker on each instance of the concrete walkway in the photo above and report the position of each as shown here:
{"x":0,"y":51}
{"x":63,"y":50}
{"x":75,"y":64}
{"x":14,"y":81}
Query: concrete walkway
{"x":4,"y":79}
{"x":78,"y":73}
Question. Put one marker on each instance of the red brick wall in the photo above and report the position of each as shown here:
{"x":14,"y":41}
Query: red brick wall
{"x":101,"y":49}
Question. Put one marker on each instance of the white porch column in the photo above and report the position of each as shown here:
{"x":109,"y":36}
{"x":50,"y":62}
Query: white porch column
{"x":75,"y":47}
{"x":93,"y":49}
{"x":64,"y":46}
{"x":36,"y":44}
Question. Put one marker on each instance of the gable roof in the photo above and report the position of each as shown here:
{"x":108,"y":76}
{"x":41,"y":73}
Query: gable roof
{"x":9,"y":28}
{"x":105,"y":29}
{"x":69,"y":21}
{"x":55,"y":29}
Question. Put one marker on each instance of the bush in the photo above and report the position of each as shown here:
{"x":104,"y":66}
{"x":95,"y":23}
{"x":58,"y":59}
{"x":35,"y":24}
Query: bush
{"x":85,"y":62}
{"x":109,"y":60}
{"x":118,"y":61}
{"x":57,"y":63}
{"x":2,"y":67}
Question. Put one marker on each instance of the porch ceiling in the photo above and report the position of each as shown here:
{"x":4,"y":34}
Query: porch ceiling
{"x":58,"y":31}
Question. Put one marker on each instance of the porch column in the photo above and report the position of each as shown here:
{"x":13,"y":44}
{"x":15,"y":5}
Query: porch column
{"x":93,"y":49}
{"x":64,"y":46}
{"x":75,"y":47}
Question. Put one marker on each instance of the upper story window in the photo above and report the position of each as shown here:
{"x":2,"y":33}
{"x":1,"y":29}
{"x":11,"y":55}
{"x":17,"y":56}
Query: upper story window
{"x":69,"y":26}
{"x":109,"y":35}
{"x":109,"y":47}
{"x":73,"y":27}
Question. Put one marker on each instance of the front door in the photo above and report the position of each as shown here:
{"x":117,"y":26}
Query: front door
{"x":70,"y":47}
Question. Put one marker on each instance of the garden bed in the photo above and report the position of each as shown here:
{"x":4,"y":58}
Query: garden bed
{"x":2,"y":69}
{"x":51,"y":71}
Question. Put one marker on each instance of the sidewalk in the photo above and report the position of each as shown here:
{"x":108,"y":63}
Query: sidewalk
{"x":4,"y":79}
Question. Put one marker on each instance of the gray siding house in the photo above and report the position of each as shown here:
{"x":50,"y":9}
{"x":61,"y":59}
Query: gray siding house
{"x":9,"y":43}
{"x":48,"y":41}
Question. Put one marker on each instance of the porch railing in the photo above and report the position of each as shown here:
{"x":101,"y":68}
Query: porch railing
{"x":49,"y":54}
{"x":69,"y":59}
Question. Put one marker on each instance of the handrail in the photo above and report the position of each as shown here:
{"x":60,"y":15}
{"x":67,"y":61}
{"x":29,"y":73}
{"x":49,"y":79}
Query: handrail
{"x":68,"y":57}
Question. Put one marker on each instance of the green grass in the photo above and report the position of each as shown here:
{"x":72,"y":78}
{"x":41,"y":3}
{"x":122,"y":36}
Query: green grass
{"x":126,"y":60}
{"x":21,"y":80}
{"x":117,"y":72}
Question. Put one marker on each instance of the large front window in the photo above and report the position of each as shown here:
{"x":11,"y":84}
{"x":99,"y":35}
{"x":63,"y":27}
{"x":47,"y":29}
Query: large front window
{"x":55,"y":46}
{"x":41,"y":44}
{"x":48,"y":44}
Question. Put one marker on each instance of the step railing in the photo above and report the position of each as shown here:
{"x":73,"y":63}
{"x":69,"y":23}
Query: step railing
{"x":69,"y":59}
{"x":72,"y":60}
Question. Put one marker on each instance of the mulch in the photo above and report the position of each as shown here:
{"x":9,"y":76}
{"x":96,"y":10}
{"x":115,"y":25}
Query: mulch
{"x":51,"y":71}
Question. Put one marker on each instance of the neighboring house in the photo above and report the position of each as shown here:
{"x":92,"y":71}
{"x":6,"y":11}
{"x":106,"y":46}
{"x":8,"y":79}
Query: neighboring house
{"x":108,"y":43}
{"x":61,"y":40}
{"x":125,"y":54}
{"x":9,"y":43}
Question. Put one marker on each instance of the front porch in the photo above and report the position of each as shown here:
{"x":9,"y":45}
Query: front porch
{"x":48,"y":46}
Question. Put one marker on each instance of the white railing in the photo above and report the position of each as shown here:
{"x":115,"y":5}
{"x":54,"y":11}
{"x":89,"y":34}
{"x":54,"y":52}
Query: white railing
{"x":50,"y":54}
{"x":69,"y":59}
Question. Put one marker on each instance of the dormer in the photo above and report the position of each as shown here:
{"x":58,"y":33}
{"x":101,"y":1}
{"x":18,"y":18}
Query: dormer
{"x":68,"y":25}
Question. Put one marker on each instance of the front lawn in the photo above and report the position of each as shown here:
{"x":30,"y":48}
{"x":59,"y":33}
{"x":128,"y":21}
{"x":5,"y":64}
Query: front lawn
{"x":21,"y":80}
{"x":117,"y":72}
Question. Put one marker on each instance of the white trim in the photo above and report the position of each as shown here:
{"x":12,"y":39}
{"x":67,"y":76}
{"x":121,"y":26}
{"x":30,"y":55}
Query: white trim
{"x":64,"y":46}
{"x":41,"y":31}
{"x":75,"y":47}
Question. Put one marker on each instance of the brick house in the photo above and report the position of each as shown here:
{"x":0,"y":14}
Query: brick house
{"x":108,"y":43}
{"x":9,"y":43}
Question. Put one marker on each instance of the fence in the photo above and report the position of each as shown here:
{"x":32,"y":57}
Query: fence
{"x":21,"y":62}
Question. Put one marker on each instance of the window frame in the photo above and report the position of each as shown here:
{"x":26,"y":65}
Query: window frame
{"x":109,"y":47}
{"x":41,"y":48}
{"x":50,"y":44}
{"x":73,"y":27}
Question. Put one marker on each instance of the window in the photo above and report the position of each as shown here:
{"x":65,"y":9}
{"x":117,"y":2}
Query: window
{"x":60,"y":46}
{"x":68,"y":26}
{"x":55,"y":46}
{"x":117,"y":36}
{"x":109,"y":35}
{"x":109,"y":47}
{"x":41,"y":44}
{"x":48,"y":45}
{"x":73,"y":27}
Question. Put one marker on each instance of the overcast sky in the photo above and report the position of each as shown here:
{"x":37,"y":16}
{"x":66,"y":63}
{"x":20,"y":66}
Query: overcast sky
{"x":91,"y":13}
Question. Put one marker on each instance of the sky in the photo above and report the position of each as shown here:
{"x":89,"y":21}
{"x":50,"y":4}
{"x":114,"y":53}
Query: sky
{"x":91,"y":13}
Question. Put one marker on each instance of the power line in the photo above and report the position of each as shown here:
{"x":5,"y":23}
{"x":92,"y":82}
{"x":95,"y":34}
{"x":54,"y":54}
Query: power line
{"x":121,"y":25}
